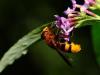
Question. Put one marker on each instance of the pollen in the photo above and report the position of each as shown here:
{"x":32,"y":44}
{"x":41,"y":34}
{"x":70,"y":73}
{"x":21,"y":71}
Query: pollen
{"x":67,"y":46}
{"x":75,"y":48}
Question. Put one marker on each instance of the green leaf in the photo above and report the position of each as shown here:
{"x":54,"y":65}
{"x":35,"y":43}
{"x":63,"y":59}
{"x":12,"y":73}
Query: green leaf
{"x":95,"y":22}
{"x":19,"y":48}
{"x":96,"y":41}
{"x":96,"y":37}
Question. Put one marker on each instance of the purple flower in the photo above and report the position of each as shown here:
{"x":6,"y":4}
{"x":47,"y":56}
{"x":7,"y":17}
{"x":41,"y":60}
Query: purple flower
{"x":89,"y":2}
{"x":69,"y":11}
{"x":65,"y":25}
{"x":67,"y":33}
{"x":86,"y":5}
{"x":62,"y":22}
{"x":84,"y":8}
{"x":74,"y":4}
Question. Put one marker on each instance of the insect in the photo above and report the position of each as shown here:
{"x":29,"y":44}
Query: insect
{"x":52,"y":40}
{"x":57,"y":36}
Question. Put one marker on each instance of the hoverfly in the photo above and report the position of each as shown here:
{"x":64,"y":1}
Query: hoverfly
{"x":52,"y":40}
{"x":50,"y":35}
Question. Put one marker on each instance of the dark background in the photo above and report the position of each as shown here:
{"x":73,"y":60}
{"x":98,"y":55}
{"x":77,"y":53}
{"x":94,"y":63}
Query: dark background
{"x":18,"y":17}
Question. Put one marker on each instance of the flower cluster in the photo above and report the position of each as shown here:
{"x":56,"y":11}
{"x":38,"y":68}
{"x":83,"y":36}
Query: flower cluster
{"x":67,"y":24}
{"x":58,"y":34}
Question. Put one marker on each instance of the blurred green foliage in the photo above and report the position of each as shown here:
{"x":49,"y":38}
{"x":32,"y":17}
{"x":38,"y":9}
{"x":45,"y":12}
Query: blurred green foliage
{"x":18,"y":17}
